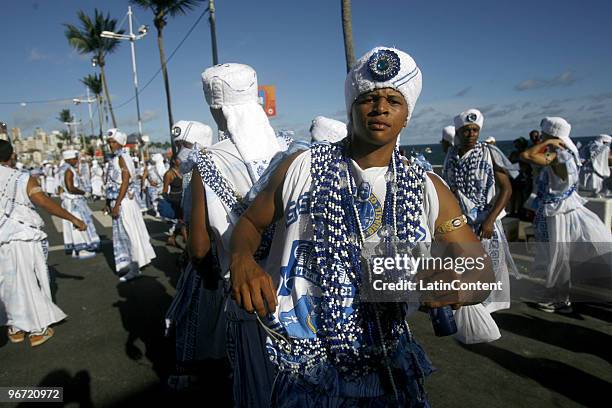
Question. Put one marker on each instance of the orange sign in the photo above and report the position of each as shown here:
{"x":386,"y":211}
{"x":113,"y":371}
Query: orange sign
{"x":267,"y":95}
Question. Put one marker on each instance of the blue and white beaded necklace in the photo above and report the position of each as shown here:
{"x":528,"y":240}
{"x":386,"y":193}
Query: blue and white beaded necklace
{"x":353,"y":339}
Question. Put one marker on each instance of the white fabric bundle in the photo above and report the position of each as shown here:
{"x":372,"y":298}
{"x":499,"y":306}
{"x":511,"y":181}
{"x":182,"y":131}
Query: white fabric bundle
{"x":490,"y":140}
{"x":448,"y":134}
{"x":384,"y":67}
{"x":475,"y":325}
{"x":560,"y":128}
{"x":158,"y":159}
{"x":193,"y":132}
{"x":326,"y":129}
{"x":233,"y":89}
{"x":70,"y":154}
{"x":468,"y":117}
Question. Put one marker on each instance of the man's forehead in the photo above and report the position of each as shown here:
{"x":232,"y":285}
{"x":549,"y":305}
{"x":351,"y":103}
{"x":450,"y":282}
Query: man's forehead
{"x":382,"y":91}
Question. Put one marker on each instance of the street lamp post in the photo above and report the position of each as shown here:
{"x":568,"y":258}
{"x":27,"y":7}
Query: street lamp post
{"x":88,"y":101}
{"x":131,"y":37}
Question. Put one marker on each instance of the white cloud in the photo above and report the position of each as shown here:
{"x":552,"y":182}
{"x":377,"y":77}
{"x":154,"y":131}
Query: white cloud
{"x":565,"y":79}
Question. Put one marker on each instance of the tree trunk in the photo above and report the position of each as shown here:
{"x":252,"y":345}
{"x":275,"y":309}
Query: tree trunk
{"x":108,"y":99}
{"x":100,"y":117}
{"x":162,"y":57}
{"x":347,"y":30}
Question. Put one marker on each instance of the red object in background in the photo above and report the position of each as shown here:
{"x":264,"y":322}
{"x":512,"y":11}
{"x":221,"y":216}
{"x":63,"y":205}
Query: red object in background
{"x":267,"y":93}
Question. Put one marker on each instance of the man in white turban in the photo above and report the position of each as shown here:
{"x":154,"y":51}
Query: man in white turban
{"x":79,"y":244}
{"x":596,"y":167}
{"x":97,"y":180}
{"x":564,"y":228}
{"x":327,"y":130}
{"x":476,"y":172}
{"x":131,"y":241}
{"x":226,"y":171}
{"x":327,"y":205}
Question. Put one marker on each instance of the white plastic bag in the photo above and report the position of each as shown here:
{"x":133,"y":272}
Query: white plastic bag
{"x":475,"y":325}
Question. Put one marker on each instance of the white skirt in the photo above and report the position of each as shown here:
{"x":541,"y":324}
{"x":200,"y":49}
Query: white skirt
{"x":578,"y":235}
{"x":24,"y":287}
{"x":131,"y":225}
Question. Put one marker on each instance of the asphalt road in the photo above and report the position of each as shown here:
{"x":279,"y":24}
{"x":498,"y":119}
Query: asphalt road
{"x":111,"y":350}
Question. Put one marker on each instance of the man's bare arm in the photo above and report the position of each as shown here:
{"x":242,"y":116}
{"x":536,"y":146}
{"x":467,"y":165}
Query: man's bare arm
{"x":41,"y":200}
{"x":199,"y":240}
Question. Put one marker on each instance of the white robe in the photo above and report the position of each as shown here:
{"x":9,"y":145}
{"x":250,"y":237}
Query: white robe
{"x":131,"y":240}
{"x":564,"y":228}
{"x":24,"y":277}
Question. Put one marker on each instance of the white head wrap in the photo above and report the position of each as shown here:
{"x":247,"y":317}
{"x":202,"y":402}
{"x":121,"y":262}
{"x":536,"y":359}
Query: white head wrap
{"x":468,"y":117}
{"x":490,"y":139}
{"x":233,"y":89}
{"x":326,"y":129}
{"x":448,"y":134}
{"x":117,"y":136}
{"x":560,"y":128}
{"x":70,"y":154}
{"x":192,"y":132}
{"x":384,"y":67}
{"x":604,"y":139}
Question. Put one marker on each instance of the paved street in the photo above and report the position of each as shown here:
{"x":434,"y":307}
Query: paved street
{"x":111,"y":350}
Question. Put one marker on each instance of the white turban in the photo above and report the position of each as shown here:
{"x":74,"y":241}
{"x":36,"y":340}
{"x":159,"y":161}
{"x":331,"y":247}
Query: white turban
{"x":117,"y":136}
{"x":326,"y":129}
{"x":560,"y":128}
{"x":384,"y":67}
{"x":448,"y":134}
{"x":233,"y":89}
{"x":468,"y":117}
{"x":605,"y":139}
{"x":192,"y":132}
{"x":70,"y":154}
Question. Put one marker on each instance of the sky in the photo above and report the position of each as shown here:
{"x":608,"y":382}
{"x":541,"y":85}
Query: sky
{"x":517,"y":61}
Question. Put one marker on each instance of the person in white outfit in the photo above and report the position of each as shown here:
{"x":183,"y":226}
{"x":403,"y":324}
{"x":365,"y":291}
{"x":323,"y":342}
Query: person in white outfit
{"x":565,"y":230}
{"x":25,"y":293}
{"x":131,"y":245}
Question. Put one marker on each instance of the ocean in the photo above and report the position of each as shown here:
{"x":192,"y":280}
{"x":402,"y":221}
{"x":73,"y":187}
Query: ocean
{"x":436,"y":155}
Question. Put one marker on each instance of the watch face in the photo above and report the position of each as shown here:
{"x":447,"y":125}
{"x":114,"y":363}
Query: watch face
{"x":384,"y":65}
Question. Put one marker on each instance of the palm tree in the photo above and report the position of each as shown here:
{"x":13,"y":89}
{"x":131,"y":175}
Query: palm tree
{"x":66,"y":118}
{"x":347,"y":30}
{"x":87,"y":40}
{"x":94,"y":83}
{"x":161,"y":10}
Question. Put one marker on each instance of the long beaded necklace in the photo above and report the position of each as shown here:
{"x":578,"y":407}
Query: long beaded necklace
{"x":339,"y":237}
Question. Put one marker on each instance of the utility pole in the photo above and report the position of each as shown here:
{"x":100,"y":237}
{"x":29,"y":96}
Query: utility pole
{"x":90,"y":112}
{"x":133,"y":48}
{"x":213,"y":30}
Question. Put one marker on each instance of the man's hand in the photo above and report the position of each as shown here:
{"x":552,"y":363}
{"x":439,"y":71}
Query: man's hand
{"x":78,"y":224}
{"x":249,"y":283}
{"x":486,"y":229}
{"x":116,"y":210}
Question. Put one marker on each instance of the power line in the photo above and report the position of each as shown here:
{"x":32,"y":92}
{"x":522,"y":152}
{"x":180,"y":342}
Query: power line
{"x":139,"y":91}
{"x":167,"y":61}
